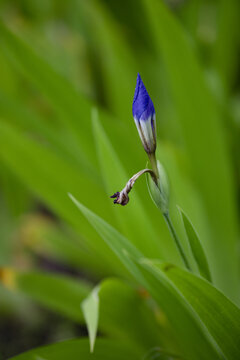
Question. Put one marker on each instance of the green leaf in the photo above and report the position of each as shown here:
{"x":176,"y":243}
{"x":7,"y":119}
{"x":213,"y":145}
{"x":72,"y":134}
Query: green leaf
{"x":191,"y":333}
{"x":54,"y":240}
{"x":193,"y":339}
{"x":219,"y":314}
{"x":79,"y":349}
{"x":127,"y":313}
{"x":17,"y":201}
{"x":90,"y":308}
{"x":58,"y":293}
{"x":123,"y":312}
{"x":196,"y":247}
{"x":124,"y":315}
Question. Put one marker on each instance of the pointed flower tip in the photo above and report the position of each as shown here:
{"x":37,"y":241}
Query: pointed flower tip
{"x":144,"y":116}
{"x":142,"y":104}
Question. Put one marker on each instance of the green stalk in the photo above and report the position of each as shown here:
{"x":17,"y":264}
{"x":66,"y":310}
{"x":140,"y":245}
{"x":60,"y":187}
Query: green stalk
{"x":176,"y":239}
{"x":153,"y":161}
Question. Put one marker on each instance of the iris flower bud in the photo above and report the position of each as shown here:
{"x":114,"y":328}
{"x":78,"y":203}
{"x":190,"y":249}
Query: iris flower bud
{"x":144,"y":117}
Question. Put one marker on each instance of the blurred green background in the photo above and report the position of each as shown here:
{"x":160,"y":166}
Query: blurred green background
{"x":67,"y":78}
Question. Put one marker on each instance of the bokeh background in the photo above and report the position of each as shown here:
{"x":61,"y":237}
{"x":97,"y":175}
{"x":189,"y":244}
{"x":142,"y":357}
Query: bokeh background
{"x":65,"y":63}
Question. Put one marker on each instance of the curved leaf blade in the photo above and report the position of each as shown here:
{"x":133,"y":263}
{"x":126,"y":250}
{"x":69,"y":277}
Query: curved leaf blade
{"x":90,"y":309}
{"x":56,"y":292}
{"x":219,"y":314}
{"x":196,"y":247}
{"x":79,"y":349}
{"x":192,"y":336}
{"x":123,"y":312}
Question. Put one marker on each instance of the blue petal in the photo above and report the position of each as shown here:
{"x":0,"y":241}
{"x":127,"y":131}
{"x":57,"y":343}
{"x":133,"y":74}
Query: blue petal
{"x":142,"y":107}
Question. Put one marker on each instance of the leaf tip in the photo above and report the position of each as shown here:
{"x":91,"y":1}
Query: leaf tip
{"x":71,"y":196}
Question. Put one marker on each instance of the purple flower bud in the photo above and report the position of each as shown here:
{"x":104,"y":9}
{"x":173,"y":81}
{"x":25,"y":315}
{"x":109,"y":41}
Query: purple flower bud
{"x":144,"y":117}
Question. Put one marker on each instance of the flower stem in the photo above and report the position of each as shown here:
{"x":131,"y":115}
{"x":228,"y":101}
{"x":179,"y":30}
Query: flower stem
{"x":153,"y":161}
{"x":176,"y":239}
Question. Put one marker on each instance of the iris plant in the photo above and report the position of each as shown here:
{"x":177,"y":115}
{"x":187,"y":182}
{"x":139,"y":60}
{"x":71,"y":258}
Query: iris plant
{"x":145,"y":120}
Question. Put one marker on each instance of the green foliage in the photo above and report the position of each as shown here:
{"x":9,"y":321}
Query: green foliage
{"x":194,"y":340}
{"x":73,"y":349}
{"x":90,"y":308}
{"x":196,"y":247}
{"x":220,"y":315}
{"x":57,"y":293}
{"x":68,"y":71}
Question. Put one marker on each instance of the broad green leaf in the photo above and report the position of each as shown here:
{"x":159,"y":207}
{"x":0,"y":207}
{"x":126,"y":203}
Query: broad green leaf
{"x":127,"y":313}
{"x":10,"y":81}
{"x":219,"y":314}
{"x":135,"y":221}
{"x":193,"y":338}
{"x":90,"y":309}
{"x":124,"y":312}
{"x":204,"y":139}
{"x":79,"y":349}
{"x":189,"y":15}
{"x":191,"y":333}
{"x":17,"y":201}
{"x":196,"y":247}
{"x":56,"y":292}
{"x":7,"y":228}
